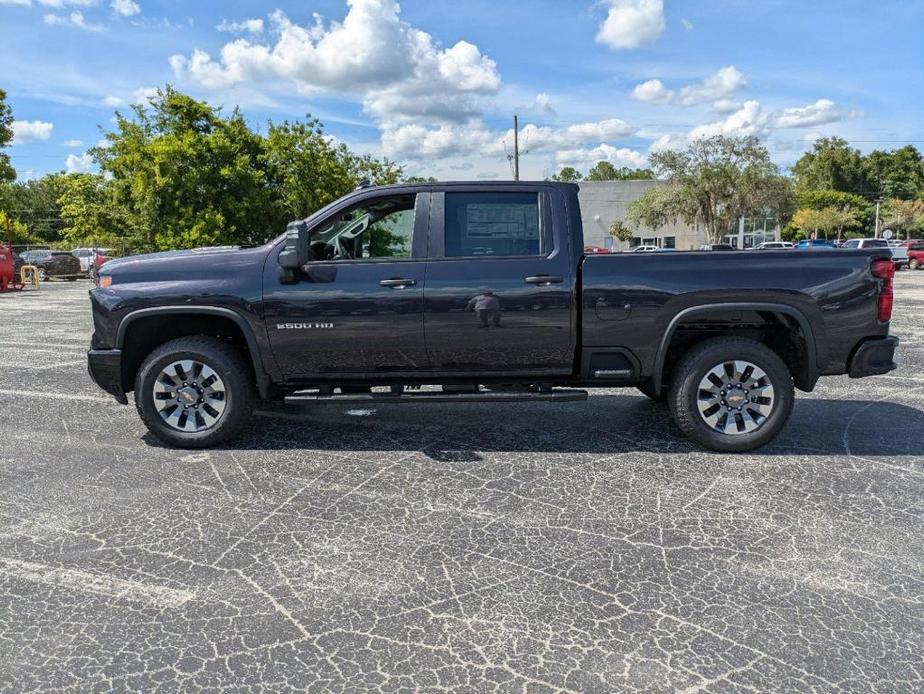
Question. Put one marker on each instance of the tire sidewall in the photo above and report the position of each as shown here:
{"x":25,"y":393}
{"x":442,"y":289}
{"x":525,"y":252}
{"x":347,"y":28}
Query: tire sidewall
{"x":687,"y":392}
{"x":236,"y":400}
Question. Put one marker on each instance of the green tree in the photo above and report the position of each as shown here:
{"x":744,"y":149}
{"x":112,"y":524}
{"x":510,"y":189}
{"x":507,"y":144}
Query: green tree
{"x":35,"y":204}
{"x":420,"y":179}
{"x":568,"y":175}
{"x":20,"y":233}
{"x":605,"y":171}
{"x":895,"y":174}
{"x":905,"y":215}
{"x":714,"y":182}
{"x":860,"y":210}
{"x":91,"y":215}
{"x":620,"y":231}
{"x":831,"y":165}
{"x":7,"y":172}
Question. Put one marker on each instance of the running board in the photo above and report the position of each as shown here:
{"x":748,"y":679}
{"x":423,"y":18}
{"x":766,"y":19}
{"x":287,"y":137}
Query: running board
{"x":562,"y":395}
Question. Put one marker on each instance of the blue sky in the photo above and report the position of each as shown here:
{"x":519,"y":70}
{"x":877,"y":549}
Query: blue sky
{"x":434,"y":83}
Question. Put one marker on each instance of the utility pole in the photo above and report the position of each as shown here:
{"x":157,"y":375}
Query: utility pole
{"x":876,"y":231}
{"x":516,"y":148}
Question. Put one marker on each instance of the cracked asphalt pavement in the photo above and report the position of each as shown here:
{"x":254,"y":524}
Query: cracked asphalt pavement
{"x":530,"y":547}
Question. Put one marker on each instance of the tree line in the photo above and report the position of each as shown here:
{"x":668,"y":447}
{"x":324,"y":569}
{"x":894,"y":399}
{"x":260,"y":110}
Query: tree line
{"x":177,"y":173}
{"x":831,"y":191}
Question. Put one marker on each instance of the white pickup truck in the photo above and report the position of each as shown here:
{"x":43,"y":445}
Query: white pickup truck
{"x":899,"y":252}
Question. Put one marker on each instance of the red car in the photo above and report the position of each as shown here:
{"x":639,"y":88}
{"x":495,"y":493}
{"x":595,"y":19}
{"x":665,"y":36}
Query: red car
{"x":915,"y":254}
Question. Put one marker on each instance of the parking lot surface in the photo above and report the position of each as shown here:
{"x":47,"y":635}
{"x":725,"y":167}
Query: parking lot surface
{"x":583,"y":547}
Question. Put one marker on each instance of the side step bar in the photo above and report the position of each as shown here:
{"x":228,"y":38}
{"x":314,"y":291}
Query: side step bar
{"x":562,"y":395}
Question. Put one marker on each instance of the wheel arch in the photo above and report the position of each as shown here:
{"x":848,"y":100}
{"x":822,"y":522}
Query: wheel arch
{"x":228,"y":316}
{"x":808,"y":374}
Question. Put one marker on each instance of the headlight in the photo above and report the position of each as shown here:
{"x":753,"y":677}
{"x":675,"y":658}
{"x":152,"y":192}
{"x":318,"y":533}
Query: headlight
{"x":105,"y":281}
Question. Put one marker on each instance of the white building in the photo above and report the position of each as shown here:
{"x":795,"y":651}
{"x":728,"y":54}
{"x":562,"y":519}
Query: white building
{"x":605,"y":202}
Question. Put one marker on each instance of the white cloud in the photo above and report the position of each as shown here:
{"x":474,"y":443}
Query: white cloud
{"x":544,"y":103}
{"x":821,"y":112}
{"x":687,"y":24}
{"x":78,"y":164}
{"x":75,"y":18}
{"x":125,"y":8}
{"x":252,"y":26}
{"x":726,"y":105}
{"x":26,"y":131}
{"x":398,"y":70}
{"x":25,"y":3}
{"x":414,"y":141}
{"x":720,"y":85}
{"x":750,"y":119}
{"x":143,"y":94}
{"x":652,"y":91}
{"x":631,"y":23}
{"x":621,"y":156}
{"x":113,"y":101}
{"x":73,"y":143}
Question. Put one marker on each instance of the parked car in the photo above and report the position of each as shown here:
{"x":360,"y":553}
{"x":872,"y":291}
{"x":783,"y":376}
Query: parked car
{"x":773,"y":246}
{"x":590,"y":250}
{"x":716,"y":247}
{"x":724,"y":338}
{"x":915,"y":254}
{"x":90,"y":258}
{"x":645,"y":248}
{"x":898,"y":251}
{"x":812,"y":244}
{"x":54,"y":264}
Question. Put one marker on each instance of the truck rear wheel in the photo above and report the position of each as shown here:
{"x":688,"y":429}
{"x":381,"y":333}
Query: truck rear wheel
{"x":731,"y":394}
{"x":194,"y":392}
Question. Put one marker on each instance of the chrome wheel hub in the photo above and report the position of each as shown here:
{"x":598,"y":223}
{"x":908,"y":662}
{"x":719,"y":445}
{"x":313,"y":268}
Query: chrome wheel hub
{"x":735,"y":397}
{"x":189,"y":396}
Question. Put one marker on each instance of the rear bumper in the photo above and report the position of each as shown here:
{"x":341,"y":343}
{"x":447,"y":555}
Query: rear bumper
{"x":874,"y":356}
{"x":105,"y":367}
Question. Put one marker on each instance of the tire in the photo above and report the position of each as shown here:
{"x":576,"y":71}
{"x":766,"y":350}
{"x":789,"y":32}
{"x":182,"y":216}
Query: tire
{"x":197,"y":428}
{"x":768,"y":415}
{"x":648,"y":391}
{"x":914,"y":264}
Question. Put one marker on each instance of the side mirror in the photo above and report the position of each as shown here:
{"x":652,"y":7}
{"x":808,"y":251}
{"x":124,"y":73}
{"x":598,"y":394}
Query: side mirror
{"x":294,"y":254}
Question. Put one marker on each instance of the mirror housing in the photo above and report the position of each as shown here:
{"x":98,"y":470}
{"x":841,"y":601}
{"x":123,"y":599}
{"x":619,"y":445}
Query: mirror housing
{"x":294,"y":254}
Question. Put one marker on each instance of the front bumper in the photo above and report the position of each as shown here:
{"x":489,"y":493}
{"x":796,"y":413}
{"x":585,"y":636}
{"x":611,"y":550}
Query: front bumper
{"x":873,"y":357}
{"x":105,"y":367}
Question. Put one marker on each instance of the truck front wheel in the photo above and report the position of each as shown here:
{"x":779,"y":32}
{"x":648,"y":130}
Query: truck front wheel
{"x":194,"y":392}
{"x":731,"y":394}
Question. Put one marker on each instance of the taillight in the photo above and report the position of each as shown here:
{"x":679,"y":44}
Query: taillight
{"x":884,"y":270}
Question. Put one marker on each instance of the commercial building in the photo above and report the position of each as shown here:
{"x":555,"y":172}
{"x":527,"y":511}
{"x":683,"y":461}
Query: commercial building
{"x":605,"y":202}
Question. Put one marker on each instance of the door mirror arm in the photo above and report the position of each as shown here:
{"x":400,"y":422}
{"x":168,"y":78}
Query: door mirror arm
{"x":294,"y":254}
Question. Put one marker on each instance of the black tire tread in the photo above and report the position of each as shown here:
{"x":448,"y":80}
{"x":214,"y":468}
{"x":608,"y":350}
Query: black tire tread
{"x":689,"y":420}
{"x":227,"y":356}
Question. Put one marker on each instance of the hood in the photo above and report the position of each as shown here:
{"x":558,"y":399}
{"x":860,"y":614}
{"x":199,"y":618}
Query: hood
{"x":115,"y":263}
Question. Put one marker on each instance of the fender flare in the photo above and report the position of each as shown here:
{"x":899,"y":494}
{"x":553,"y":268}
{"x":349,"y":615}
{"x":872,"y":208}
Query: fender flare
{"x":263,"y":379}
{"x":792,"y":312}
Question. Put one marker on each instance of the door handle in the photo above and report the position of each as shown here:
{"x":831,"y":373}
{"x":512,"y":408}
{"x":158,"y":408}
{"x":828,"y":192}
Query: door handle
{"x":544,"y":280}
{"x":398,"y":283}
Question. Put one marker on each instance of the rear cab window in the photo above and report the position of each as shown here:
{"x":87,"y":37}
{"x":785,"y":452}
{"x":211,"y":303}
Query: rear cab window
{"x":501,"y":224}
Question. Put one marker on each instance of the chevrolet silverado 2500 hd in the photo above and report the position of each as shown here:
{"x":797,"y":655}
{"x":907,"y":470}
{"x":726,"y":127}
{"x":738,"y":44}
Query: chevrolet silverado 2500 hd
{"x":483,"y":291}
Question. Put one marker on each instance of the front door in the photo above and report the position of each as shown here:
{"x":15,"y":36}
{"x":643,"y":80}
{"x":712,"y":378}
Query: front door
{"x":499,"y":288}
{"x":357,"y":308}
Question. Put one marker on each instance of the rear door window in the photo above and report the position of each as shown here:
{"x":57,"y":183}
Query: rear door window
{"x":496,"y":224}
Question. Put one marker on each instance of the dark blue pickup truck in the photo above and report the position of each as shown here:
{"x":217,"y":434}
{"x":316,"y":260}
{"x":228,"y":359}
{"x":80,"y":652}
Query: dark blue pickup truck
{"x":463,"y":292}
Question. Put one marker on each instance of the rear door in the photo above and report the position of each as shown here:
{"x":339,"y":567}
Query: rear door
{"x":499,"y":293}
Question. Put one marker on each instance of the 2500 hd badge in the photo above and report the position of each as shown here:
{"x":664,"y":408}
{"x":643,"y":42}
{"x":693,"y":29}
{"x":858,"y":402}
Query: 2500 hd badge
{"x":304,"y":326}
